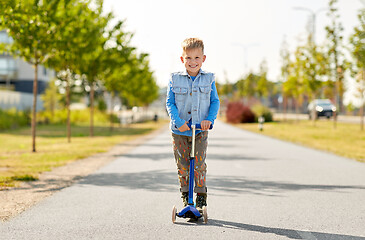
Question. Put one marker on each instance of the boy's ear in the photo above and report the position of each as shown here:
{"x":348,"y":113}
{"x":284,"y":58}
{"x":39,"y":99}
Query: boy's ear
{"x":182,"y":59}
{"x":204,"y":57}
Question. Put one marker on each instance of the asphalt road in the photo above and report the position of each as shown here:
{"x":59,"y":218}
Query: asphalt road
{"x":259,"y":188}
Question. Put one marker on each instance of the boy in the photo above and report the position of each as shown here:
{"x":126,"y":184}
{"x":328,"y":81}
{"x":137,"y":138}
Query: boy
{"x":192,"y":97}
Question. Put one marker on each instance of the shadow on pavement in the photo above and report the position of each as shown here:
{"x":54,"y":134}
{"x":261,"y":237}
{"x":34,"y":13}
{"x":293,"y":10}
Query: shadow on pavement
{"x":234,"y":157}
{"x":290,"y":233}
{"x":149,"y":156}
{"x":149,"y":180}
{"x":268,"y":188}
{"x":162,"y":181}
{"x":164,"y":156}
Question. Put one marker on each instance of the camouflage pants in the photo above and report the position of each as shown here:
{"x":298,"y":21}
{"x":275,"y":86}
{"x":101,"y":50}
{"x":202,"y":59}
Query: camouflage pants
{"x":182,"y":149}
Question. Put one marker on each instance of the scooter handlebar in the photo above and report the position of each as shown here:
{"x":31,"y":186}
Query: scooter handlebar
{"x":198,"y":126}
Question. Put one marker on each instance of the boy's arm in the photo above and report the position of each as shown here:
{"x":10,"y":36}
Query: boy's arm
{"x":171,"y":107}
{"x":214,"y":104}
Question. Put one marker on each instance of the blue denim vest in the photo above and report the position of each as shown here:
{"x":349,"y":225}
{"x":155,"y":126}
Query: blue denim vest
{"x":192,"y":98}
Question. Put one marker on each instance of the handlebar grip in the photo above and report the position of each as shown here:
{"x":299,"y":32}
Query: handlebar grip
{"x":198,"y":126}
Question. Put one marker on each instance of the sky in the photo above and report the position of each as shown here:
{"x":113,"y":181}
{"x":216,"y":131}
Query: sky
{"x":238,"y":34}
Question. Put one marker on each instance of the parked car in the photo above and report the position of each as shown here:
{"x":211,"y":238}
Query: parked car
{"x":322,"y":107}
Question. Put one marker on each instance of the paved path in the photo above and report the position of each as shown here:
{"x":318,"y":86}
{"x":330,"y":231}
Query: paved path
{"x":259,"y":188}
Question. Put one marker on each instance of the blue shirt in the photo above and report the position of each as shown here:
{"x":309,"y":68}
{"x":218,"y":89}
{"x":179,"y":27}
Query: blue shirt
{"x":174,"y":114}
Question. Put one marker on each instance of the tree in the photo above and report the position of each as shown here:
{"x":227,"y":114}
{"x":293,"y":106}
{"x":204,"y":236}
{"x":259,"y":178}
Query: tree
{"x":76,"y":35}
{"x":263,"y":83}
{"x":51,"y":98}
{"x":336,"y":55}
{"x":314,"y":70}
{"x":285,"y":61}
{"x":32,"y":26}
{"x":142,"y":88}
{"x":92,"y":64}
{"x":357,"y":41}
{"x":294,"y":86}
{"x":119,"y":55}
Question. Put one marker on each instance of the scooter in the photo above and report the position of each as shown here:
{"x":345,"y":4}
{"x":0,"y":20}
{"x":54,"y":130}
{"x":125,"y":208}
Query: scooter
{"x":190,"y":211}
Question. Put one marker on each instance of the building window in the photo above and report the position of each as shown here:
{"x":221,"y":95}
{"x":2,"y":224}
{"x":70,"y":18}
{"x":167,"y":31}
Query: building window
{"x":7,"y":66}
{"x":4,"y":38}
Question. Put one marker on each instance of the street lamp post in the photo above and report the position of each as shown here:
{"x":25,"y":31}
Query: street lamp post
{"x":313,"y":18}
{"x":245,"y":48}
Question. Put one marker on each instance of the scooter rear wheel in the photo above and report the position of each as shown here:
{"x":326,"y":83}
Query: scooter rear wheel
{"x":205,"y":214}
{"x":174,"y":210}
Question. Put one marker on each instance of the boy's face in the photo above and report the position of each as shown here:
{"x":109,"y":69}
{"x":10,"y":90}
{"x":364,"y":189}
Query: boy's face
{"x":193,"y":60}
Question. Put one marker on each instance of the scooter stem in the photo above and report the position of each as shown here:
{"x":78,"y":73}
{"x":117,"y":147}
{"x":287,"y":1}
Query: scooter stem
{"x":193,"y":143}
{"x":191,"y":170}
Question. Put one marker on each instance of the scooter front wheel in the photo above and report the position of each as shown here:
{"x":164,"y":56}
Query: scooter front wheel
{"x":205,"y":214}
{"x":174,"y":210}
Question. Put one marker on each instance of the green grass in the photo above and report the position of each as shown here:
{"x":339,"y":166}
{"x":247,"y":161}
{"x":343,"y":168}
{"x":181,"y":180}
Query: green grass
{"x":346,"y":140}
{"x":18,"y":163}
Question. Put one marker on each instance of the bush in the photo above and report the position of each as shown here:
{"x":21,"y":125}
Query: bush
{"x":77,"y":117}
{"x":261,"y":110}
{"x":248,"y":115}
{"x":10,"y":119}
{"x":101,"y":105}
{"x":239,"y":113}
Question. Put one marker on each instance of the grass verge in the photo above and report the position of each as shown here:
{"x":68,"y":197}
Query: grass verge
{"x":346,"y":140}
{"x":18,"y":163}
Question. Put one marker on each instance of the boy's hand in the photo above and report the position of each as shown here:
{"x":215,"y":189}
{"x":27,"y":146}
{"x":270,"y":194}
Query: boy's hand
{"x":205,"y":125}
{"x":184,"y":128}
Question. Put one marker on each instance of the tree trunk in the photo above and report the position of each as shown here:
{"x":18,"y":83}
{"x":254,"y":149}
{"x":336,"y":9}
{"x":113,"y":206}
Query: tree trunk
{"x":92,"y":91}
{"x":297,"y":110}
{"x":34,"y":110}
{"x":111,"y":111}
{"x":363,"y":102}
{"x":68,"y":95}
{"x":335,"y":112}
{"x":314,"y":113}
{"x":284,"y":107}
{"x":362,"y":116}
{"x":336,"y":89}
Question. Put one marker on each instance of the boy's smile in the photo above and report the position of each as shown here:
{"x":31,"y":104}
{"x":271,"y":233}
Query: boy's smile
{"x":193,"y":60}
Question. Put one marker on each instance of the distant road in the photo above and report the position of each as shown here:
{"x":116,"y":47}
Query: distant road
{"x":341,"y":118}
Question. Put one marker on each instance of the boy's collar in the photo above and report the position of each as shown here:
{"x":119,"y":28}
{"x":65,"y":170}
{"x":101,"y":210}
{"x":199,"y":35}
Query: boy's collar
{"x":185,"y":72}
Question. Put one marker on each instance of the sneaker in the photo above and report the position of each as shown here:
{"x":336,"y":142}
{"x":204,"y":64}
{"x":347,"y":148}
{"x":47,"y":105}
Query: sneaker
{"x":201,"y":201}
{"x":185,"y":198}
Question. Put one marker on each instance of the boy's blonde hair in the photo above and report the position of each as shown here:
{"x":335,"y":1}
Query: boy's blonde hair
{"x":191,"y":43}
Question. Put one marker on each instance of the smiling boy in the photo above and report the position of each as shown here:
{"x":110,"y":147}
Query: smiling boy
{"x":192,"y":98}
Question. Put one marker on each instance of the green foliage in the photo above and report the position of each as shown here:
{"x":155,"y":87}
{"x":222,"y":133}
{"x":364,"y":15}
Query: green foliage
{"x":336,"y":60}
{"x":24,"y":178}
{"x":11,"y":119}
{"x":77,"y":117}
{"x":263,"y":83}
{"x":285,"y":59}
{"x":32,"y":27}
{"x":260,"y":110}
{"x":357,"y":41}
{"x":247,"y":87}
{"x":102,"y":105}
{"x":51,"y":98}
{"x":76,"y":37}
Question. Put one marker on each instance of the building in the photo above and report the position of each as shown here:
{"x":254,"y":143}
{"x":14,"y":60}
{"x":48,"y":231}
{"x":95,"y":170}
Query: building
{"x":16,"y":80}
